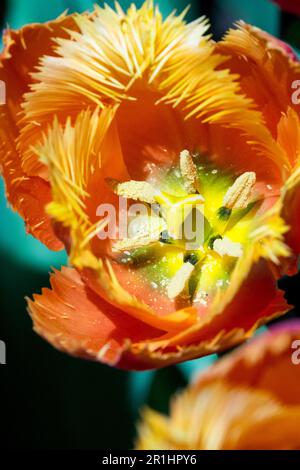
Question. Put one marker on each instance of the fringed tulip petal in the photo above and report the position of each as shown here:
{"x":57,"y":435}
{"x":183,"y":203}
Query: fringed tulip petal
{"x":22,"y":52}
{"x":222,"y":418}
{"x":248,"y":400}
{"x":75,"y":320}
{"x":114,"y":56}
{"x":289,"y":138}
{"x":271,"y":353}
{"x":221,"y":328}
{"x":267,"y":72}
{"x":291,"y":210}
{"x":129,"y":118}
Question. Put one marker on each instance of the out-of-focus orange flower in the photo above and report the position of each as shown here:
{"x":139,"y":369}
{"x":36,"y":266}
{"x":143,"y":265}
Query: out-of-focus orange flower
{"x":153,"y":110}
{"x":292,"y":6}
{"x":249,"y":400}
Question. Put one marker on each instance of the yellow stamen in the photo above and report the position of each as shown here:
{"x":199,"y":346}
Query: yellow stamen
{"x":238,"y":195}
{"x":179,"y":281}
{"x":189,"y":172}
{"x":137,"y":190}
{"x":225,"y":246}
{"x":129,"y":244}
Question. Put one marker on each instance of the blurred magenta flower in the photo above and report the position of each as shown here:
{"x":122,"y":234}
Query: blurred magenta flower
{"x":292,"y":6}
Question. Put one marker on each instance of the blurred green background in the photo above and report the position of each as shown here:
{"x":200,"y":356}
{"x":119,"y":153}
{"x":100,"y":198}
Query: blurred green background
{"x":50,"y":400}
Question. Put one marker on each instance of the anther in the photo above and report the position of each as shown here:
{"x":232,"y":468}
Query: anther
{"x":238,"y":195}
{"x":129,"y":244}
{"x":178,"y":283}
{"x":224,"y":246}
{"x":136,"y":190}
{"x":189,"y":172}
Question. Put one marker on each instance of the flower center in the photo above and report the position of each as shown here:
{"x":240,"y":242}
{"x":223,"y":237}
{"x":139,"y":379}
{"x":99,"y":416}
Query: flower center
{"x":194,"y":228}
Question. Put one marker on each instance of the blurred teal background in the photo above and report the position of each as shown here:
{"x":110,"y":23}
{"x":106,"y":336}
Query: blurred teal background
{"x":56,"y":401}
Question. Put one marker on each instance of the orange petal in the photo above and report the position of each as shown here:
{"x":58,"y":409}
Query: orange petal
{"x":219,"y":416}
{"x":265,"y":363}
{"x":247,"y":400}
{"x":231,"y":321}
{"x":77,"y":321}
{"x":21,"y":54}
{"x":139,"y":301}
{"x":288,"y":135}
{"x":289,"y":139}
{"x":74,"y":319}
{"x":27,"y":195}
{"x":256,"y":151}
{"x":164,"y":133}
{"x":150,"y":134}
{"x":266,"y":69}
{"x":141,"y":68}
{"x":291,"y":210}
{"x":155,"y":353}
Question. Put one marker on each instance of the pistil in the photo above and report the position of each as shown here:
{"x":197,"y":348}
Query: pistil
{"x":145,"y":231}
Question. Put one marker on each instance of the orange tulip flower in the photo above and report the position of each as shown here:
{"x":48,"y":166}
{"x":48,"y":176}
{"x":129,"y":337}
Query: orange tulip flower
{"x":118,"y":107}
{"x":247,"y":401}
